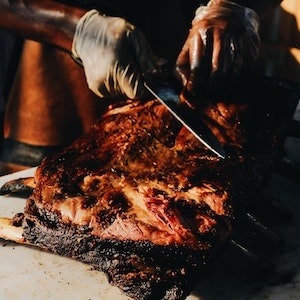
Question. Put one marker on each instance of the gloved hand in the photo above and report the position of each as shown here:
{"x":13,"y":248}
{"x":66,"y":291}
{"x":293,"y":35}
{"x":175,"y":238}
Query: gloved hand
{"x":223,"y":39}
{"x":114,"y":54}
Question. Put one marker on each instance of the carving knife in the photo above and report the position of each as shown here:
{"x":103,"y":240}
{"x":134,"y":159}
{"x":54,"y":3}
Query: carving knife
{"x":168,"y":96}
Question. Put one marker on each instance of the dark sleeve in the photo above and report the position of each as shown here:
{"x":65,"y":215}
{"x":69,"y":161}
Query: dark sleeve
{"x":260,"y":6}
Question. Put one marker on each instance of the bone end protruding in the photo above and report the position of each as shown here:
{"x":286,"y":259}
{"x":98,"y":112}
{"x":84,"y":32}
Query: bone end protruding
{"x":10,"y":232}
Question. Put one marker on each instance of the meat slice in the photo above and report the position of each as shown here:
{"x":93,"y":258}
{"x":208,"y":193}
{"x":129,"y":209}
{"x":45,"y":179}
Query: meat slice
{"x":142,"y":200}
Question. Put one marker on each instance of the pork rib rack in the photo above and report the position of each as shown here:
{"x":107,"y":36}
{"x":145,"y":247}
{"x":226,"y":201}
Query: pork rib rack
{"x":140,"y":199}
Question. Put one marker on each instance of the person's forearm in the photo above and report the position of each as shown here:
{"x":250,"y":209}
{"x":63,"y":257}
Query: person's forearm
{"x":44,"y":21}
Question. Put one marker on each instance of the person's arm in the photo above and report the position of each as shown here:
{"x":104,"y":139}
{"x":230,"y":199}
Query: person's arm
{"x":113,"y":52}
{"x":44,"y":21}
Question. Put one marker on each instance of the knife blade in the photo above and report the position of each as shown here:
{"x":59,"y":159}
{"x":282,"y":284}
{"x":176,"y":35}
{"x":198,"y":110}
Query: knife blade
{"x":168,"y":96}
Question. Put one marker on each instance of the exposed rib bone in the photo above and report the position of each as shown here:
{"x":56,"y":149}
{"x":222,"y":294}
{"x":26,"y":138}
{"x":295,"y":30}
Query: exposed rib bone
{"x":262,"y":264}
{"x":10,"y":232}
{"x":267,"y":232}
{"x":18,"y":186}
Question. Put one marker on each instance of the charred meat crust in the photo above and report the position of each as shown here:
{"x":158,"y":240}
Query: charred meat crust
{"x":20,"y":186}
{"x":141,"y":269}
{"x":140,"y":199}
